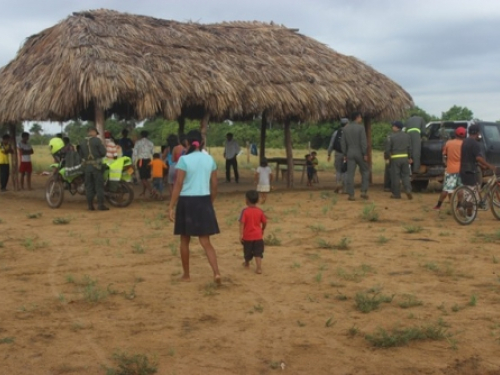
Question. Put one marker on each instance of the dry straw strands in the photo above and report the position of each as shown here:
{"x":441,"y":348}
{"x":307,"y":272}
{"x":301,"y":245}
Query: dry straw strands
{"x":137,"y":66}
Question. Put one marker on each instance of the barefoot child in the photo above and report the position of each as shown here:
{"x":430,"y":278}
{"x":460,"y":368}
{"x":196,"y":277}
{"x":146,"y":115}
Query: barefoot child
{"x":252,"y":225}
{"x":263,"y":178}
{"x":310,"y":169}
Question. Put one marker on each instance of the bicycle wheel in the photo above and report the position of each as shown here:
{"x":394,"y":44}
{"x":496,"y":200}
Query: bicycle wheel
{"x":495,"y":201}
{"x":464,"y":205}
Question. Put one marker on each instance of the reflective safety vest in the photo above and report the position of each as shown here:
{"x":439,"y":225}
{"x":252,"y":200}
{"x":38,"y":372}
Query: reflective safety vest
{"x":399,"y":156}
{"x":413,"y":130}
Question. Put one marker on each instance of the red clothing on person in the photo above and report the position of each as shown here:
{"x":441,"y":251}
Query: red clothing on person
{"x":252,"y":218}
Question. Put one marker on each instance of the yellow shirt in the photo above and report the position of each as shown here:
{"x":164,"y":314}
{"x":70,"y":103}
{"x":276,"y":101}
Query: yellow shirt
{"x":4,"y":153}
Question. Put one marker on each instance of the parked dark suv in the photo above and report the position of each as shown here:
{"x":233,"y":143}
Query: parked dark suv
{"x":438,"y":133}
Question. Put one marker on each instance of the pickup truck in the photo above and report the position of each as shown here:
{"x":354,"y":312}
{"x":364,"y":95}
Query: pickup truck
{"x":431,"y":160}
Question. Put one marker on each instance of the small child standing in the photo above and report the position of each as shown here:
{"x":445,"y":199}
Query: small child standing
{"x":157,"y":166}
{"x":315,"y":163}
{"x":263,"y":178}
{"x":310,"y":169}
{"x":252,"y":225}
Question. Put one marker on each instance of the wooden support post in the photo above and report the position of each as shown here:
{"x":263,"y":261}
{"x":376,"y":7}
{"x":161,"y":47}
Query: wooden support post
{"x":99,"y":121}
{"x":289,"y":154}
{"x":204,"y":127}
{"x":14,"y":172}
{"x":263,"y":129}
{"x":182,"y":123}
{"x":368,"y":130}
{"x":248,"y":152}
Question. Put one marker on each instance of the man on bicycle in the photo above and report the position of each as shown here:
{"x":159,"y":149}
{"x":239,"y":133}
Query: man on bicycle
{"x":471,"y":157}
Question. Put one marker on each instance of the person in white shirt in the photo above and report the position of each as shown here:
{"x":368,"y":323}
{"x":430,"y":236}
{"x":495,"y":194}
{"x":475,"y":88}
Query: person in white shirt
{"x":264,"y":179}
{"x":25,"y":168}
{"x":231,"y":151}
{"x":142,"y":154}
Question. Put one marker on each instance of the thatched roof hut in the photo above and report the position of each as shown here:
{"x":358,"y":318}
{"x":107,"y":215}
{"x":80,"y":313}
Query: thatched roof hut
{"x":102,"y":62}
{"x":137,"y":66}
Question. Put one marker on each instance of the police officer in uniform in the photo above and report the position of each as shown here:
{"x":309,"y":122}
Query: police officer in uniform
{"x":400,"y":152}
{"x":415,"y":127}
{"x":92,"y":151}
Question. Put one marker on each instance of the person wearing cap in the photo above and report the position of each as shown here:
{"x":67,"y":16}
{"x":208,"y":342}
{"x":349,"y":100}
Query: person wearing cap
{"x":111,"y":147}
{"x":399,"y":150}
{"x":354,"y":149}
{"x":415,"y":127}
{"x":452,"y":152}
{"x":471,"y":157}
{"x":336,"y":145}
{"x":92,"y":152}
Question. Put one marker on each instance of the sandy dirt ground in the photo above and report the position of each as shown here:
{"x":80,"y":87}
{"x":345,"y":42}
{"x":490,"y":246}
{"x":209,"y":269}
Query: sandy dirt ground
{"x":74,"y":295}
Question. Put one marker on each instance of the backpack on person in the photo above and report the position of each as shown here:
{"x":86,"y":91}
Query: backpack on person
{"x":337,"y":142}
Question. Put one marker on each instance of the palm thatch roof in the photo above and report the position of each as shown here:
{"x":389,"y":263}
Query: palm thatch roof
{"x":138,"y":66}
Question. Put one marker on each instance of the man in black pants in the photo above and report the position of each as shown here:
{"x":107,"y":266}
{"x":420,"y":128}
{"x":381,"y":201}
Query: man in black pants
{"x":231,"y":151}
{"x":5,"y":150}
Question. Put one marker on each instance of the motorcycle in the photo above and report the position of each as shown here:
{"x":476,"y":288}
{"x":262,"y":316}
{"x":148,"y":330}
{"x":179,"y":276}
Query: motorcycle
{"x":117,"y":190}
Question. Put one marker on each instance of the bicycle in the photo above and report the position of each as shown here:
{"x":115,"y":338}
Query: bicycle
{"x":466,"y":201}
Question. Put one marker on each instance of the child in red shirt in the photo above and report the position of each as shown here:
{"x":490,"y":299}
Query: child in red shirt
{"x":252,"y":225}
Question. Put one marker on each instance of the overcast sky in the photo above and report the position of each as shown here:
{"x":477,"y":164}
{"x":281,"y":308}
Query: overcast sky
{"x":443,"y":52}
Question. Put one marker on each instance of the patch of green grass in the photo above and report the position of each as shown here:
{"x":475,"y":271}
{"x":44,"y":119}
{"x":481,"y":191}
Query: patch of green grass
{"x":382,"y":240}
{"x":1,"y":244}
{"x":138,"y":248}
{"x":324,"y":244}
{"x":91,"y":290}
{"x":61,"y":221}
{"x":259,"y":308}
{"x":296,"y":265}
{"x":343,"y":244}
{"x":36,"y":215}
{"x":173,"y":249}
{"x":410,"y":301}
{"x":487,"y":237}
{"x":397,"y":336}
{"x":456,"y":308}
{"x":300,"y":323}
{"x":135,"y":364}
{"x":7,"y":340}
{"x":318,"y":277}
{"x":210,"y":289}
{"x":316,"y":228}
{"x":356,"y":275}
{"x":31,"y":244}
{"x":272,"y":240}
{"x":444,"y":234}
{"x":369,"y":213}
{"x":473,"y":300}
{"x":353,"y":331}
{"x":412,"y":228}
{"x":366,"y":303}
{"x":330,"y":322}
{"x":431,"y":266}
{"x":341,"y":297}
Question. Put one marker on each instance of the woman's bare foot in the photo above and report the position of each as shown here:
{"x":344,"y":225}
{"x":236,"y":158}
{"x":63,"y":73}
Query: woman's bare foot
{"x":246,"y":264}
{"x":217,"y":279}
{"x":185,"y":278}
{"x":258,"y":271}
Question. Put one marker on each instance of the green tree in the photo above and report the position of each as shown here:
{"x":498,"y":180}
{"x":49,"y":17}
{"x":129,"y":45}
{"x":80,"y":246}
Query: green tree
{"x":457,"y":113}
{"x":36,"y":129}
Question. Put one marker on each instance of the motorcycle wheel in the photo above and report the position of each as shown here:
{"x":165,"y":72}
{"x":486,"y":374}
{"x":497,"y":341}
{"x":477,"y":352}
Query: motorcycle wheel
{"x":54,"y":192}
{"x":122,"y":197}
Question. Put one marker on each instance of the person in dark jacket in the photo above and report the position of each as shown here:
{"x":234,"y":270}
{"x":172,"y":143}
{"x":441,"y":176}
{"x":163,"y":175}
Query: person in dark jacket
{"x":92,"y":151}
{"x":354,"y":149}
{"x":415,"y":127}
{"x":398,"y":149}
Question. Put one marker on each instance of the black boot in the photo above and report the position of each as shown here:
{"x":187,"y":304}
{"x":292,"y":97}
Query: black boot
{"x":103,"y":208}
{"x":91,"y":206}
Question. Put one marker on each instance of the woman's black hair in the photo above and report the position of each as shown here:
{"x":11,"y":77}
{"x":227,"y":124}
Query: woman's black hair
{"x":172,"y":141}
{"x":193,"y":136}
{"x":263,"y":162}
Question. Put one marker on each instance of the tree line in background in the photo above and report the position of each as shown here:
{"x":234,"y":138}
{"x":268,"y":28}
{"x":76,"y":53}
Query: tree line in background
{"x":316,"y":135}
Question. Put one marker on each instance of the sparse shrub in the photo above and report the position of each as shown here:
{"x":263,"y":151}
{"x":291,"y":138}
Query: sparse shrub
{"x":34,"y":215}
{"x":366,"y":303}
{"x":410,"y":301}
{"x":272,"y":240}
{"x":402,"y":336}
{"x":412,"y":228}
{"x":136,"y":364}
{"x":369,"y":213}
{"x":61,"y":221}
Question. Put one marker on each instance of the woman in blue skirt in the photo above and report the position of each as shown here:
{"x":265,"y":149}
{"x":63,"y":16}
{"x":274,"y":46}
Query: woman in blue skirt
{"x":193,"y":195}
